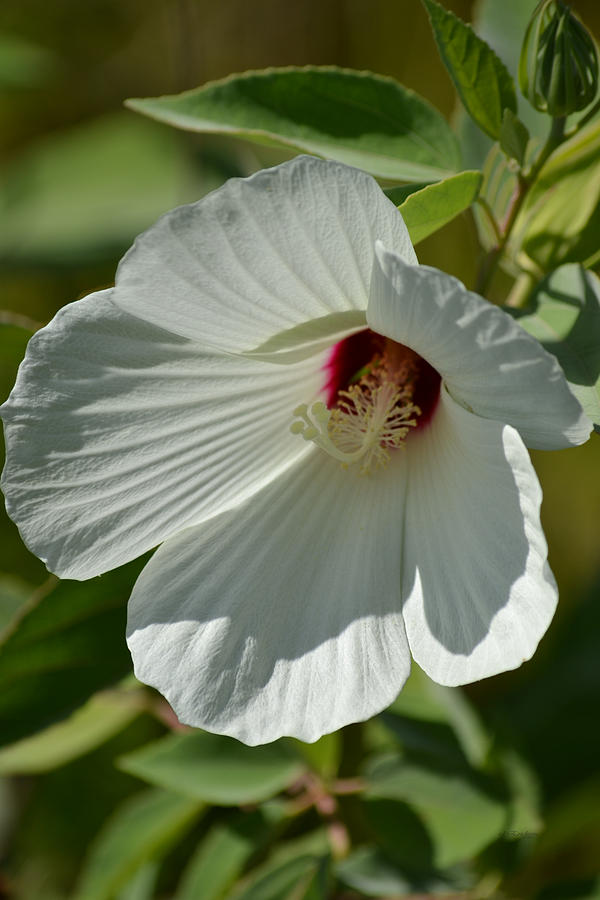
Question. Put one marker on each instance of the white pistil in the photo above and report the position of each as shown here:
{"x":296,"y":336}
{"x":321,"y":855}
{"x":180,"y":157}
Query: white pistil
{"x":369,"y":421}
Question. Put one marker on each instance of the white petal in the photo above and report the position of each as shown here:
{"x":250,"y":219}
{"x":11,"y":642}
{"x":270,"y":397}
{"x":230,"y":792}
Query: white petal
{"x":281,"y":617}
{"x":489,"y":363}
{"x":262,"y":254}
{"x":120,"y":434}
{"x":310,"y":337}
{"x":479,"y":592}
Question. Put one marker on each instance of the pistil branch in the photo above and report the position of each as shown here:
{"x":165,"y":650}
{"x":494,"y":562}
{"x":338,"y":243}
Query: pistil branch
{"x":371,"y":418}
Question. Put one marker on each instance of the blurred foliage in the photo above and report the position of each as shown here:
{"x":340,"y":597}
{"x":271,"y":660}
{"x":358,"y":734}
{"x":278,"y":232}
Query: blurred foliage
{"x":489,"y":792}
{"x":565,"y":318}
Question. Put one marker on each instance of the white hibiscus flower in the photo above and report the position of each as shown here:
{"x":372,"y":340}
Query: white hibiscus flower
{"x":328,"y":439}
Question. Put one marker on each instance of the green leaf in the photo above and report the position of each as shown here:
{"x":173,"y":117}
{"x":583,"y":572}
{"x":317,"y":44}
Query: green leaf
{"x":422,"y":699}
{"x":565,"y":318}
{"x":400,"y":192}
{"x":400,"y":834}
{"x":502,"y":25}
{"x":432,"y":207}
{"x":514,"y":137}
{"x":215,"y":768}
{"x":68,"y":643}
{"x":418,"y":699}
{"x":143,"y":884}
{"x":369,"y":871}
{"x":497,"y":190}
{"x":361,"y":119}
{"x":499,"y":24}
{"x":221,"y":857}
{"x":290,"y":872}
{"x":560,"y":219}
{"x":525,"y":817}
{"x":464,"y":720}
{"x":98,"y":720}
{"x":421,"y":739}
{"x":316,"y":885}
{"x":291,"y":880}
{"x":436,"y":796}
{"x":141,"y":830}
{"x":480,"y":77}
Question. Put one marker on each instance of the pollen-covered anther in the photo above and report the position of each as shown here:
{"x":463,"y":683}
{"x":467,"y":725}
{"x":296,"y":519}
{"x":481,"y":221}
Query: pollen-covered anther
{"x":369,"y":421}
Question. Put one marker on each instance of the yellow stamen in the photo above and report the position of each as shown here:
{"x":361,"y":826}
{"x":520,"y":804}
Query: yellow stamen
{"x":372,"y":418}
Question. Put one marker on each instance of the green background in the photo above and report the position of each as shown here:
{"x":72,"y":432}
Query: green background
{"x":81,"y":176}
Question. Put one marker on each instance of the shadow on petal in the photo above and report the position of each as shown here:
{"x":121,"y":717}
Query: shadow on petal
{"x":120,"y":434}
{"x":478,"y":590}
{"x":282,"y":616}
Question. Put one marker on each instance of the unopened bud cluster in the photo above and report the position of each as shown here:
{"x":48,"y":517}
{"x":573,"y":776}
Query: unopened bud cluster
{"x":558,"y":69}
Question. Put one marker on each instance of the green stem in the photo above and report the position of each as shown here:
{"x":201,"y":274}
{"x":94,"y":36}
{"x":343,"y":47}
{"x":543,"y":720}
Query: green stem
{"x":521,"y":291}
{"x":524,"y":183}
{"x":485,"y":206}
{"x":556,"y":137}
{"x":492,"y":258}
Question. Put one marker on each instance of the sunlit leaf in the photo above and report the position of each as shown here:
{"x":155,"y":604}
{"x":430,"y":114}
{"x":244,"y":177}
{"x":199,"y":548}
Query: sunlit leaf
{"x":495,"y":196}
{"x":565,"y":317}
{"x":429,"y":209}
{"x":94,"y":723}
{"x":359,"y":118}
{"x":215,"y":768}
{"x":480,"y":77}
{"x":560,"y":219}
{"x":141,"y":830}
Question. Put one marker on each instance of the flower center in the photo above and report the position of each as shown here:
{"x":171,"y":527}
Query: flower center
{"x":377,"y":391}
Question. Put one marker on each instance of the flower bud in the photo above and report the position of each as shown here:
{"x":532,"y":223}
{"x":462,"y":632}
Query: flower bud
{"x":558,"y":69}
